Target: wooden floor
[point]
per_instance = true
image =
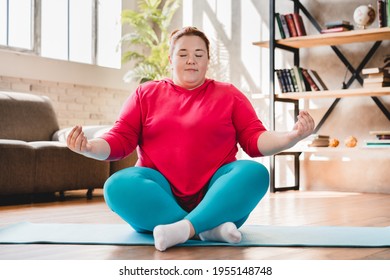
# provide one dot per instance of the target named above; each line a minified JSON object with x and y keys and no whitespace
{"x":283,"y":208}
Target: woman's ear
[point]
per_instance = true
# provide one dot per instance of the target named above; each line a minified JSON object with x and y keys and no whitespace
{"x":170,"y":62}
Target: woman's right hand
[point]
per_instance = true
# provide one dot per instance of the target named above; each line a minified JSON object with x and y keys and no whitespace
{"x":77,"y":142}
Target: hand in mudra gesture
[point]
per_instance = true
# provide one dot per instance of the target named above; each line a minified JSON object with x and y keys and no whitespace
{"x":303,"y":127}
{"x":77,"y":141}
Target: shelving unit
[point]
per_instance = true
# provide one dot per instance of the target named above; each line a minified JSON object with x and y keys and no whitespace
{"x":335,"y":93}
{"x":293,"y":44}
{"x":333,"y":39}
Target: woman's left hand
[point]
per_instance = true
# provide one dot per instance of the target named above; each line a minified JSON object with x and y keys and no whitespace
{"x":273,"y":142}
{"x":303,"y":127}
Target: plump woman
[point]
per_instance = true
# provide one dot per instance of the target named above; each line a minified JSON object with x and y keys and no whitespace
{"x":187,"y":182}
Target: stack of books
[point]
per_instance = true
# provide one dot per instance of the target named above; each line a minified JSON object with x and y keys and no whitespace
{"x":337,"y":26}
{"x":298,"y":79}
{"x":383,"y":8}
{"x":377,"y":76}
{"x":290,"y":25}
{"x":317,"y":140}
{"x":382,"y":139}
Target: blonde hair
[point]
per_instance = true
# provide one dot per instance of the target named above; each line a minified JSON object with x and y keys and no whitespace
{"x":188,"y":31}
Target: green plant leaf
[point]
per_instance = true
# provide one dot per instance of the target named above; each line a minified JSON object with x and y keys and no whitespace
{"x":147,"y":44}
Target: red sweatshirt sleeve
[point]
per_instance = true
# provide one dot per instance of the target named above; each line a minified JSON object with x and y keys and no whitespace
{"x":247,"y":124}
{"x":124,"y":136}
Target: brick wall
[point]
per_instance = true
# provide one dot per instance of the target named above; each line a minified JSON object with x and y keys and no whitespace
{"x":74,"y":104}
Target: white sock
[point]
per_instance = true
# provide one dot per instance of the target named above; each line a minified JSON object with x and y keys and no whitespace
{"x":226,"y":232}
{"x":166,"y":236}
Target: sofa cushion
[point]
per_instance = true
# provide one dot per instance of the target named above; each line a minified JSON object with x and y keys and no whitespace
{"x":90,"y":131}
{"x":17,"y":167}
{"x":26,"y":117}
{"x":60,"y":169}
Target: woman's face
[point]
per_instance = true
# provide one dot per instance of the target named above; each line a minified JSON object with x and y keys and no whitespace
{"x":189,"y":62}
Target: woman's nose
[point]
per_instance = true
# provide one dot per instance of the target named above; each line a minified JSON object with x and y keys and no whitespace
{"x":190,"y":59}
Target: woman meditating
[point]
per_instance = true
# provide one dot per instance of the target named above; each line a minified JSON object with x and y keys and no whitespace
{"x":187,"y":182}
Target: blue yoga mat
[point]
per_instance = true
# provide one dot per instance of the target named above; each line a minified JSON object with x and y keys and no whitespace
{"x":253,"y":235}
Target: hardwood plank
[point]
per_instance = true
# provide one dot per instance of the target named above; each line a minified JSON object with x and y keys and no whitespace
{"x":284,"y":208}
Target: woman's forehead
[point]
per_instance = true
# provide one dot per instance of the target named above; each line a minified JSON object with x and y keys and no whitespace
{"x":190,"y":43}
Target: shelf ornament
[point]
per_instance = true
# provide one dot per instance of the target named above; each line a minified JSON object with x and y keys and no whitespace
{"x":364,"y":16}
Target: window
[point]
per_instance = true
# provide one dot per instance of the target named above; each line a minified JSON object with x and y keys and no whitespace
{"x":86,"y":31}
{"x":16,"y":23}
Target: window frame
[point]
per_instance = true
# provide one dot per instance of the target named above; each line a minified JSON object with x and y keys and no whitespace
{"x":32,"y":32}
{"x":36,"y":20}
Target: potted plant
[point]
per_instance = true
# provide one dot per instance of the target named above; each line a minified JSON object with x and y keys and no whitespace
{"x":148,"y":40}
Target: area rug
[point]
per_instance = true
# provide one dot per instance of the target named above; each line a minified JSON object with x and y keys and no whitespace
{"x":253,"y":235}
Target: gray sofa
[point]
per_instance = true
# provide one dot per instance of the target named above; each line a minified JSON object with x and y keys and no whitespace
{"x":34,"y":158}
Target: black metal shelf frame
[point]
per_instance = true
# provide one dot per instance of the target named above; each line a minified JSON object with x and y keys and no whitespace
{"x":298,"y":7}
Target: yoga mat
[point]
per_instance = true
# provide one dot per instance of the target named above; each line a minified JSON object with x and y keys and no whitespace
{"x":253,"y":235}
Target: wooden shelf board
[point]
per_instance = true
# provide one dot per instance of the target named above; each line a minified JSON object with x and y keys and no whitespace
{"x":336,"y":93}
{"x":340,"y":149}
{"x":333,"y":39}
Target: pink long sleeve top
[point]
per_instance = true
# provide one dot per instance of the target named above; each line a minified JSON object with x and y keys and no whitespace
{"x":185,"y":134}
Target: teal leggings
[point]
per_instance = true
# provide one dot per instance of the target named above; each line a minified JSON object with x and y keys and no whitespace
{"x":142,"y":197}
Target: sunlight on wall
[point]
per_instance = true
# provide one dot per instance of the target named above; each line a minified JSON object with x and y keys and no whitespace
{"x":187,"y":12}
{"x":232,"y":27}
{"x":251,"y":28}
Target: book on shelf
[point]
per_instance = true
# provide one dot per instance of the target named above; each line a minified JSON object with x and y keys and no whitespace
{"x":303,"y":85}
{"x":383,"y":137}
{"x":379,"y":79}
{"x":381,"y":134}
{"x":310,"y":80}
{"x":318,"y":140}
{"x":279,"y":78}
{"x":298,"y":76}
{"x":281,"y":21}
{"x":383,"y":69}
{"x":305,"y":81}
{"x":374,"y":70}
{"x":337,"y":26}
{"x":376,"y":77}
{"x":299,"y":26}
{"x":317,"y":79}
{"x":388,"y":12}
{"x":298,"y":79}
{"x":382,"y":13}
{"x":335,"y":29}
{"x":319,"y":136}
{"x":383,"y":74}
{"x":386,"y":63}
{"x":290,"y":81}
{"x":377,"y":143}
{"x":294,"y":79}
{"x":337,"y":23}
{"x":376,"y":85}
{"x":290,"y":25}
{"x":287,"y":80}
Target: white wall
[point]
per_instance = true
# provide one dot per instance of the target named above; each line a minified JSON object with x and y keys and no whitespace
{"x":30,"y":66}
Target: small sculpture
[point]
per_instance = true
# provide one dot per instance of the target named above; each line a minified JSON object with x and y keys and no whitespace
{"x":364,"y":16}
{"x":350,"y":142}
{"x":334,"y":142}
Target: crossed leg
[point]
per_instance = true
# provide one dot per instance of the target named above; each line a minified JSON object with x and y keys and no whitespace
{"x":143,"y":198}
